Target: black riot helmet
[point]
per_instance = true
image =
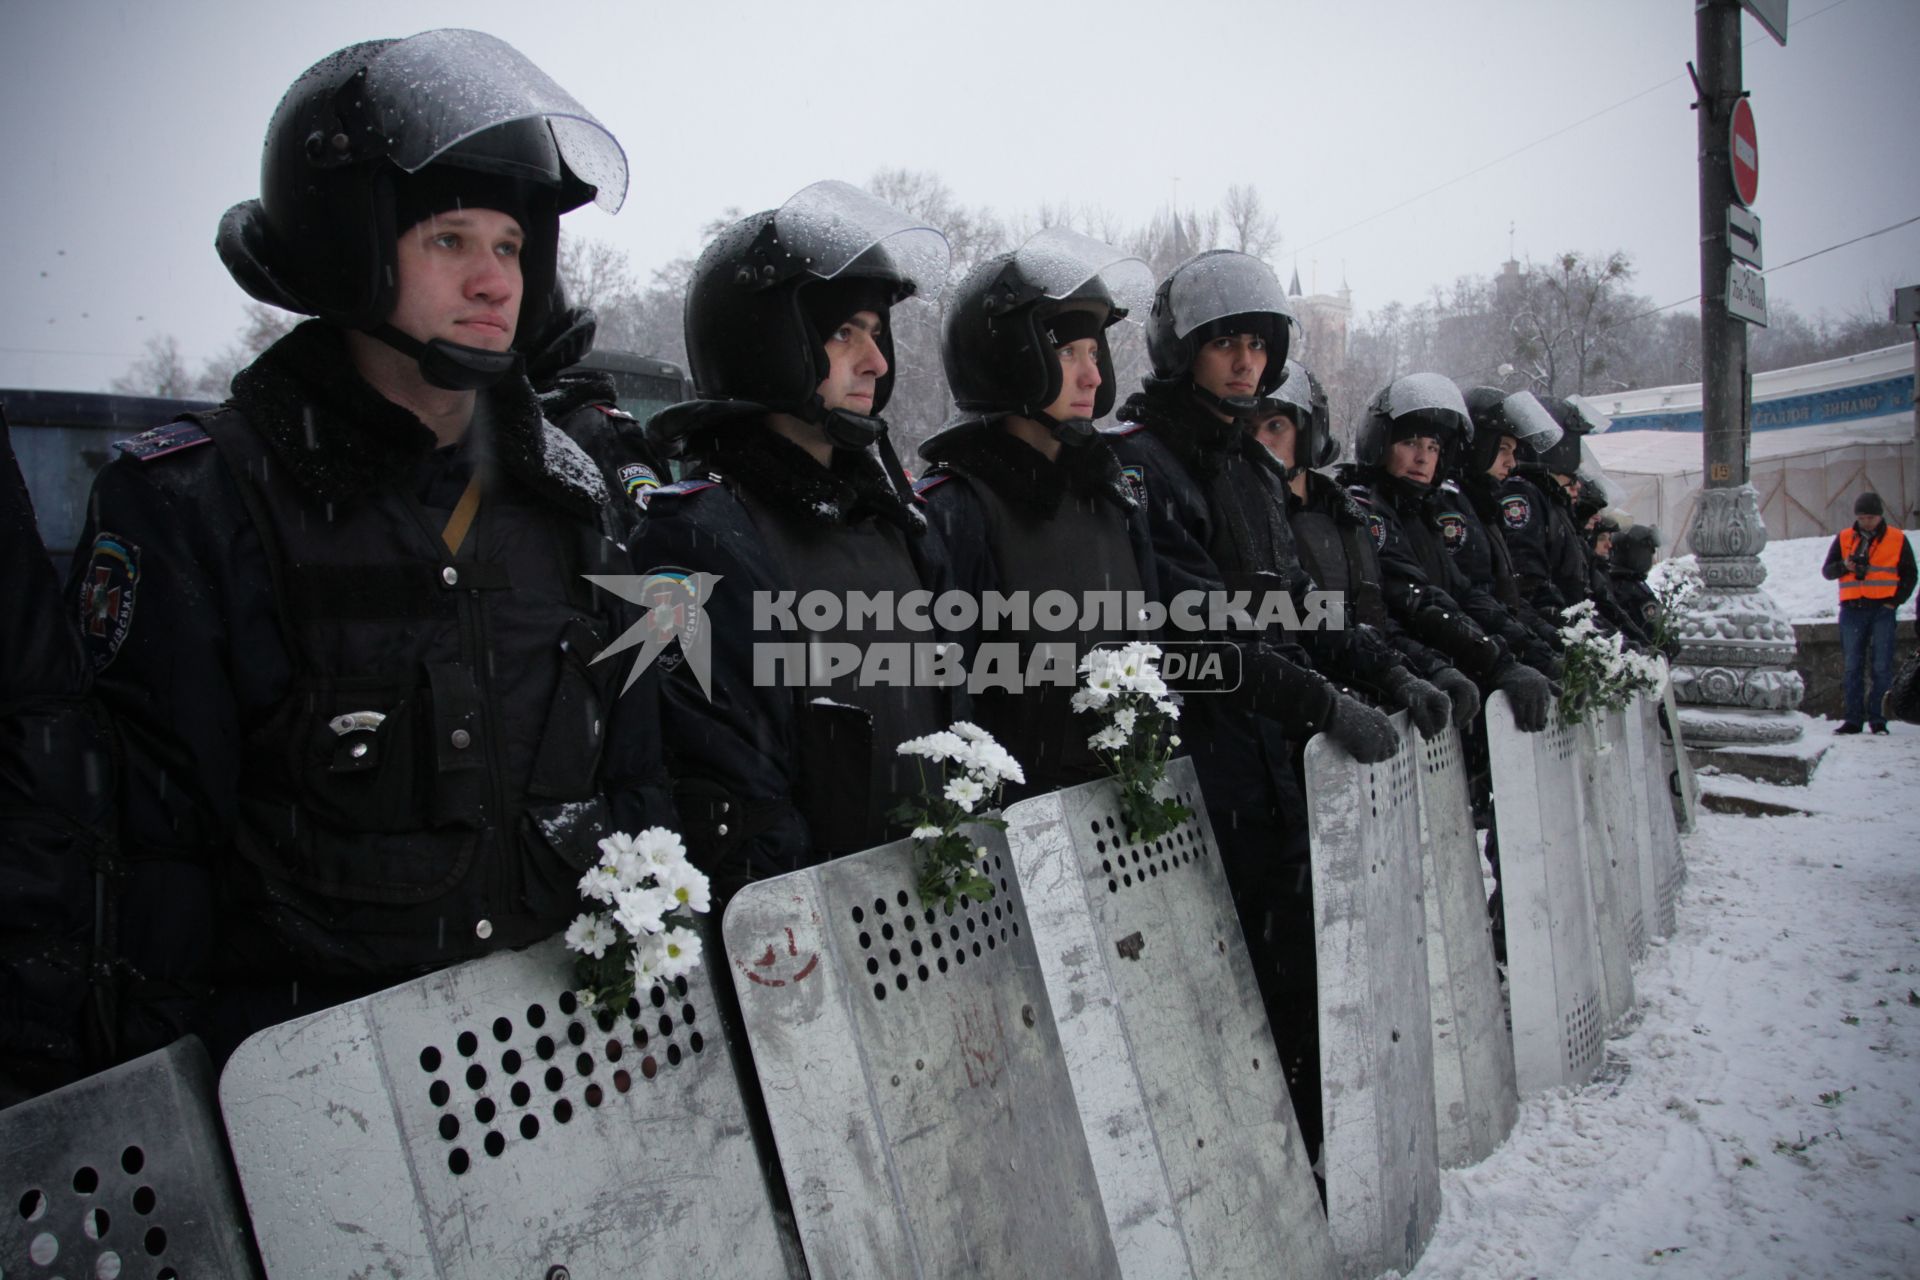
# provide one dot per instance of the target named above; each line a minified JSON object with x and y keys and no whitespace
{"x":381,"y":133}
{"x":1417,"y":404}
{"x":1301,"y":397}
{"x":1576,"y":420}
{"x":769,"y":291}
{"x":1633,"y":550}
{"x":1011,"y":314}
{"x":1217,"y":294}
{"x":1498,"y":413}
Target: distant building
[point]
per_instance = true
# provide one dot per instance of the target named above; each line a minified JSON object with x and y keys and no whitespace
{"x":1324,"y":319}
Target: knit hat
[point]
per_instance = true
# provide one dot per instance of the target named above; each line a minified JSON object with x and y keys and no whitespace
{"x":1868,"y":504}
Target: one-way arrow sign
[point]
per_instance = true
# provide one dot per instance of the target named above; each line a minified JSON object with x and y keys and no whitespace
{"x":1743,"y":234}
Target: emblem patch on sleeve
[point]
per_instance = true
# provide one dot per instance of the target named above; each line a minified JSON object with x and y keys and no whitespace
{"x":1516,"y":511}
{"x":1453,"y":530}
{"x":1377,"y":527}
{"x":106,"y":597}
{"x":1136,"y":478}
{"x":637,"y":479}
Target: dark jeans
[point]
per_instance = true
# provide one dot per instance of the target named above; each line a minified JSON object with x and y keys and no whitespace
{"x":1866,"y":628}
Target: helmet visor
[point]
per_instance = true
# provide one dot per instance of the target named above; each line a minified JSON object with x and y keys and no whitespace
{"x":1603,"y":486}
{"x":1529,"y":422}
{"x":1425,"y":392}
{"x":1595,"y":421}
{"x":833,"y":225}
{"x":439,"y":88}
{"x":1058,"y":262}
{"x":1219,"y":285}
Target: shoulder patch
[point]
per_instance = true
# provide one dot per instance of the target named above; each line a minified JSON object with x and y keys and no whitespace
{"x":1136,"y":481}
{"x":162,"y":440}
{"x":1453,"y":530}
{"x":636,"y":478}
{"x":1515,"y":511}
{"x":678,"y":489}
{"x":106,"y":596}
{"x":1377,"y":529}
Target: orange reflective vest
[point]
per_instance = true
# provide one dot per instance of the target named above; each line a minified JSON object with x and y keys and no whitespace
{"x":1883,"y":566}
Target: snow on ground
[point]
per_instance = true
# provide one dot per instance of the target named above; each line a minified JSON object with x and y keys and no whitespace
{"x":1794,"y":581}
{"x":1768,"y":1121}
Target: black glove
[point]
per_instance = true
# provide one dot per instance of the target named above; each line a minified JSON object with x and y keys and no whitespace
{"x":1426,"y":705}
{"x":1296,"y":698}
{"x":1530,"y":693}
{"x":1366,"y":734}
{"x":1464,"y":693}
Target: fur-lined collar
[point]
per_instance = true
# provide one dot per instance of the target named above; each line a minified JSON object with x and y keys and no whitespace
{"x":343,"y":441}
{"x":1196,"y":437}
{"x":786,"y":478}
{"x":1023,"y":477}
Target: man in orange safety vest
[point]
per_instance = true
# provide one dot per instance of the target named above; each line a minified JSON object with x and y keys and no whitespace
{"x":1873,"y":562}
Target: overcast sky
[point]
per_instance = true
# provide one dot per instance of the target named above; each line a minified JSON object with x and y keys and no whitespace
{"x":130,"y":127}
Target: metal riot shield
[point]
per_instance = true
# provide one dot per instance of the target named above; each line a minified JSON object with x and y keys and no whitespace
{"x":913,"y":1075}
{"x":1613,"y":865}
{"x":1201,"y":1167}
{"x":1660,"y":852}
{"x":1682,"y":785}
{"x":1475,"y":1101}
{"x":481,"y":1123}
{"x":1376,"y":1045}
{"x":1554,"y":985}
{"x":124,"y":1173}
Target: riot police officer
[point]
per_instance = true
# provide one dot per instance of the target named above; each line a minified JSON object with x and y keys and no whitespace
{"x":778,"y":766}
{"x":1027,"y":496}
{"x":342,"y":621}
{"x":1411,"y":426}
{"x":1217,"y":337}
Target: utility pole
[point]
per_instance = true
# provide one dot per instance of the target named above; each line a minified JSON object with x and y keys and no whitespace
{"x":1735,"y":670}
{"x":1724,"y":387}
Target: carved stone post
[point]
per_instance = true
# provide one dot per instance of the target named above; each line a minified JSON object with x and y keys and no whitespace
{"x":1736,"y":647}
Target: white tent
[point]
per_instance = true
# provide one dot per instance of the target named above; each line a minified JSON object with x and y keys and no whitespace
{"x":1858,"y":433}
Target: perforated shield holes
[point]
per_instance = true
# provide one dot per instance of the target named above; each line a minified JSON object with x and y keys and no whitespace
{"x":1125,"y":864}
{"x":489,"y":1111}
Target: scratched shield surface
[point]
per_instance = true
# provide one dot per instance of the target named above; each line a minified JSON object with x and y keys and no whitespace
{"x":1653,"y":816}
{"x":1554,"y":985}
{"x":1683,"y":785}
{"x":1475,"y":1100}
{"x":480,"y":1123}
{"x":912,"y":1073}
{"x":1376,"y":1046}
{"x":1201,"y":1168}
{"x":123,"y":1173}
{"x":1613,"y":863}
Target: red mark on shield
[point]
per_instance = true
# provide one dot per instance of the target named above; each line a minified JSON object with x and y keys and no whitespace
{"x":980,"y":1045}
{"x":769,"y":971}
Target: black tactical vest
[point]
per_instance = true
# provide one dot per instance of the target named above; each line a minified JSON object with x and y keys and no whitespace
{"x":426,"y":791}
{"x":1081,"y":548}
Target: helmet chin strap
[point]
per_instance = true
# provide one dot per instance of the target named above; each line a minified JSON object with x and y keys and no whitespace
{"x":1070,"y":432}
{"x":1242,"y":409}
{"x":451,"y":366}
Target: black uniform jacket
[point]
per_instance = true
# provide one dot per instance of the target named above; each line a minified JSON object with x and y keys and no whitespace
{"x":352,"y":754}
{"x":1014,"y":521}
{"x":772,"y":776}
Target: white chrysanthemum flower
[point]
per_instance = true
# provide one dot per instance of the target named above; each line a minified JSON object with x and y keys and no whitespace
{"x":964,"y":792}
{"x":602,"y":884}
{"x":686,"y":886}
{"x":1090,"y":699}
{"x":649,"y":956}
{"x":639,"y":911}
{"x":944,"y":745}
{"x":629,"y":868}
{"x":1174,"y":741}
{"x":660,"y":847}
{"x":1108,"y":739}
{"x":681,"y":949}
{"x":613,"y":846}
{"x":1123,"y":719}
{"x":1167,"y":707}
{"x":991,"y":764}
{"x":591,"y":935}
{"x":928,"y":833}
{"x":970,"y":732}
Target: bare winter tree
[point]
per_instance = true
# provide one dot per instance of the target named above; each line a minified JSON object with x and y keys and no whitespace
{"x":1250,"y":226}
{"x":160,"y":371}
{"x":1564,"y":327}
{"x":263,"y":327}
